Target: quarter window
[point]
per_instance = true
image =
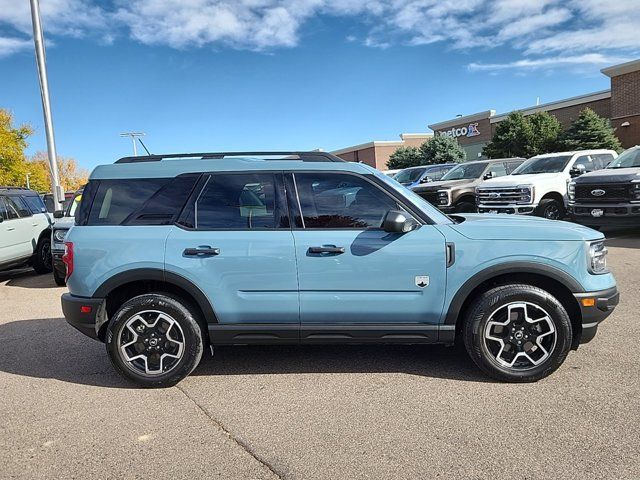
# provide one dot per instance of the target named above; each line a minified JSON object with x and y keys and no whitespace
{"x":330,"y":200}
{"x":235,"y":201}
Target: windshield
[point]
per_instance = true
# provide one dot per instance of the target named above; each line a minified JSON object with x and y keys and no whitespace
{"x":465,"y":171}
{"x":409,"y":175}
{"x":71,"y":208}
{"x":543,"y":165}
{"x":628,"y":159}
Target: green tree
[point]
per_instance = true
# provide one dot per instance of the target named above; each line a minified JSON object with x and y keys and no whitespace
{"x":442,"y":149}
{"x":13,"y":142}
{"x":546,"y":130}
{"x":590,"y":131}
{"x":512,"y":138}
{"x":404,"y":157}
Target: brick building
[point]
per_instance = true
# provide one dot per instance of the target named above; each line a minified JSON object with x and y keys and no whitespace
{"x":620,"y":104}
{"x":377,"y":153}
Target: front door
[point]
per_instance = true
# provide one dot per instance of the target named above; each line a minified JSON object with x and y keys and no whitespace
{"x":350,"y":271}
{"x":236,"y":245}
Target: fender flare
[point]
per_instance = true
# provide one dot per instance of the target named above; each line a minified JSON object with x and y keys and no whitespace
{"x":455,"y":306}
{"x":139,"y":274}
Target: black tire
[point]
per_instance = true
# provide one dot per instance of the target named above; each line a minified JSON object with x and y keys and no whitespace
{"x":42,"y":259}
{"x":551,"y":209}
{"x":59,"y":279}
{"x":489,"y":306}
{"x":189,"y":333}
{"x":466,"y":207}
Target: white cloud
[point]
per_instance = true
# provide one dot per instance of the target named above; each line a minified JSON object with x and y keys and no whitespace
{"x":542,"y":33}
{"x":9,"y":46}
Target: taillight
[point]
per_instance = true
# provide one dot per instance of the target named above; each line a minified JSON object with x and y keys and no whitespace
{"x":67,"y":258}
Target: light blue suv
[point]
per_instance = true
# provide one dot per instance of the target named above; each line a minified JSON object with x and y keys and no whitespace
{"x":173,"y":253}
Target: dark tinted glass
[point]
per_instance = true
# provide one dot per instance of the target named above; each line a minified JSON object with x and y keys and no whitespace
{"x":21,"y":206}
{"x":164,"y":207}
{"x":333,"y":200}
{"x":116,"y":200}
{"x":497,"y":169}
{"x":11,"y":209}
{"x":236,"y":201}
{"x":35,"y":204}
{"x":3,"y":209}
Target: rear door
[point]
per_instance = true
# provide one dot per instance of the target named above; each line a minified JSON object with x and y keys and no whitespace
{"x":235,"y":243}
{"x":350,"y":271}
{"x":16,"y":238}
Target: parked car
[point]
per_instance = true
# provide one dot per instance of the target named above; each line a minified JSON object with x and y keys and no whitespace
{"x":392,"y":173}
{"x":25,"y":230}
{"x":413,"y":176}
{"x":539,"y":185}
{"x":609,"y":197}
{"x":456,"y":191}
{"x":174,"y":253}
{"x":64,"y":220}
{"x":48,"y":201}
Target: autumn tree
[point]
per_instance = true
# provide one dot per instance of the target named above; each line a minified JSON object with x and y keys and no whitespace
{"x":13,"y":142}
{"x":70,"y":174}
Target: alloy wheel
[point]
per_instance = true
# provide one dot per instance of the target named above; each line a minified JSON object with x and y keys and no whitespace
{"x":552,"y":212}
{"x":151,"y":343}
{"x":519,"y":336}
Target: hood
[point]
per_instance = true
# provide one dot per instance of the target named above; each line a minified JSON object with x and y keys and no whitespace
{"x":432,"y":186}
{"x":516,"y":227}
{"x":515,"y":180}
{"x":610,"y":175}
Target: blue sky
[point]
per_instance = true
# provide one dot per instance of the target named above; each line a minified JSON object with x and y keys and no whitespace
{"x":202,"y":75}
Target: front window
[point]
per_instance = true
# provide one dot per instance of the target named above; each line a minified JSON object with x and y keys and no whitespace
{"x":628,"y":159}
{"x":465,"y":171}
{"x":553,"y":164}
{"x":332,"y":200}
{"x":35,"y":204}
{"x":409,"y":175}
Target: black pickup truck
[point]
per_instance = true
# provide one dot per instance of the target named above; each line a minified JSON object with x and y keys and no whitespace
{"x":609,"y":197}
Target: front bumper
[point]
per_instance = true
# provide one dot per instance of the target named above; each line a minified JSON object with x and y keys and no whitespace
{"x":511,"y":208}
{"x":83,"y":313}
{"x":604,"y":302}
{"x":623,"y":214}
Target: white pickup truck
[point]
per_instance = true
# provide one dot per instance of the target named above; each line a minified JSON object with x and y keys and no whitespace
{"x":539,"y":185}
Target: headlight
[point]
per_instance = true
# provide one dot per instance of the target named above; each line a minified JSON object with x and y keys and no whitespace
{"x":444,"y":197}
{"x":635,"y":192}
{"x":58,"y":235}
{"x":526,"y":193}
{"x":571,"y":191}
{"x":597,"y":258}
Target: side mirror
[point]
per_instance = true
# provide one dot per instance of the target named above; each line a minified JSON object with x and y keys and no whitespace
{"x":577,"y":170}
{"x":487,"y":176}
{"x":398,"y":222}
{"x":426,"y":179}
{"x":58,"y":214}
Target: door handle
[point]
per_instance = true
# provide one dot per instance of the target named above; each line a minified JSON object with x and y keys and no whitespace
{"x":202,"y":251}
{"x":10,"y":229}
{"x":327,"y":249}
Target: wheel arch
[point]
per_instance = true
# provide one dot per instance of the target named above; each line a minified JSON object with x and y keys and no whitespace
{"x":551,"y":279}
{"x":554,"y":196}
{"x":131,"y":283}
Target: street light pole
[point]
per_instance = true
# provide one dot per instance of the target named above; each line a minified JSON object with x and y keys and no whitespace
{"x":133,"y":136}
{"x":28,"y":186}
{"x":41,"y":61}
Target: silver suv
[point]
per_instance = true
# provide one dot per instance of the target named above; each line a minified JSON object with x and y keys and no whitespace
{"x":25,"y":230}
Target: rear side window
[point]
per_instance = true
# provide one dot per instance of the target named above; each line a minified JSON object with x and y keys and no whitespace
{"x":4,"y":214}
{"x":237,"y":202}
{"x":35,"y":204}
{"x":116,"y":200}
{"x":20,"y":206}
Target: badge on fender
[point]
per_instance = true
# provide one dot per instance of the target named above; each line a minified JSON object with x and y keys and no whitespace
{"x":422,"y":281}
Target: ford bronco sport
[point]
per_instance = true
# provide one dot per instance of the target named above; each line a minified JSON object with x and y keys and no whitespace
{"x":174,"y":253}
{"x":25,"y":230}
{"x":539,"y":185}
{"x":609,"y":197}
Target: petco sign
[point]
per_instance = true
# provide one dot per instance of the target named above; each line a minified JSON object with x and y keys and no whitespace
{"x":470,"y":131}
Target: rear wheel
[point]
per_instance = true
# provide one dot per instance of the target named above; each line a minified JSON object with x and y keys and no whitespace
{"x":517,"y":333}
{"x":59,"y":279}
{"x":154,"y":340}
{"x":550,"y":209}
{"x":42,"y":260}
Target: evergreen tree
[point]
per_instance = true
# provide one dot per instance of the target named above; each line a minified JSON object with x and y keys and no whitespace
{"x":442,"y":149}
{"x":546,"y":130}
{"x":590,"y":131}
{"x":513,"y":138}
{"x":404,"y":157}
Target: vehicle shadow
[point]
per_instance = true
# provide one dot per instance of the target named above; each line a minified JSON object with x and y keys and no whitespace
{"x":50,"y":348}
{"x":628,"y":238}
{"x":27,"y":278}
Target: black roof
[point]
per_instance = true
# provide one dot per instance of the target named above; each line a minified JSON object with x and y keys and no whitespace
{"x":311,"y":156}
{"x":17,"y":191}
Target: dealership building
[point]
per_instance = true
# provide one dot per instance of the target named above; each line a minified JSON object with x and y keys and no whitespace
{"x":620,"y":104}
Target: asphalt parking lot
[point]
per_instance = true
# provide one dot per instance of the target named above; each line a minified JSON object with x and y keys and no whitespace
{"x":314,"y":412}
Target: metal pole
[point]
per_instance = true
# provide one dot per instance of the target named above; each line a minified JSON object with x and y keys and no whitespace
{"x":135,"y":148}
{"x":38,"y":40}
{"x":28,"y":186}
{"x":133,"y":136}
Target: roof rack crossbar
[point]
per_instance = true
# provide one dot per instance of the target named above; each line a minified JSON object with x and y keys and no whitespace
{"x":308,"y":156}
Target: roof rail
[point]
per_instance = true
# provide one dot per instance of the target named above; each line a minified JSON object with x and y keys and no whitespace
{"x":312,"y":156}
{"x":4,"y":187}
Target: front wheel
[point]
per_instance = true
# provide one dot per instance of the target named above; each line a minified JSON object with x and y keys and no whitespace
{"x":550,"y":209}
{"x":466,"y":207}
{"x":154,"y":340}
{"x":42,"y":259}
{"x":517,"y":333}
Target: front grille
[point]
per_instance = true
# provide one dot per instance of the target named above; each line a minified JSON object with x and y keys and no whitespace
{"x":501,"y":196}
{"x":619,"y":192}
{"x":431,"y":197}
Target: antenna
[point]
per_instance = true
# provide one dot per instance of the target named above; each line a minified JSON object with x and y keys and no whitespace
{"x":144,"y":146}
{"x":133,"y":136}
